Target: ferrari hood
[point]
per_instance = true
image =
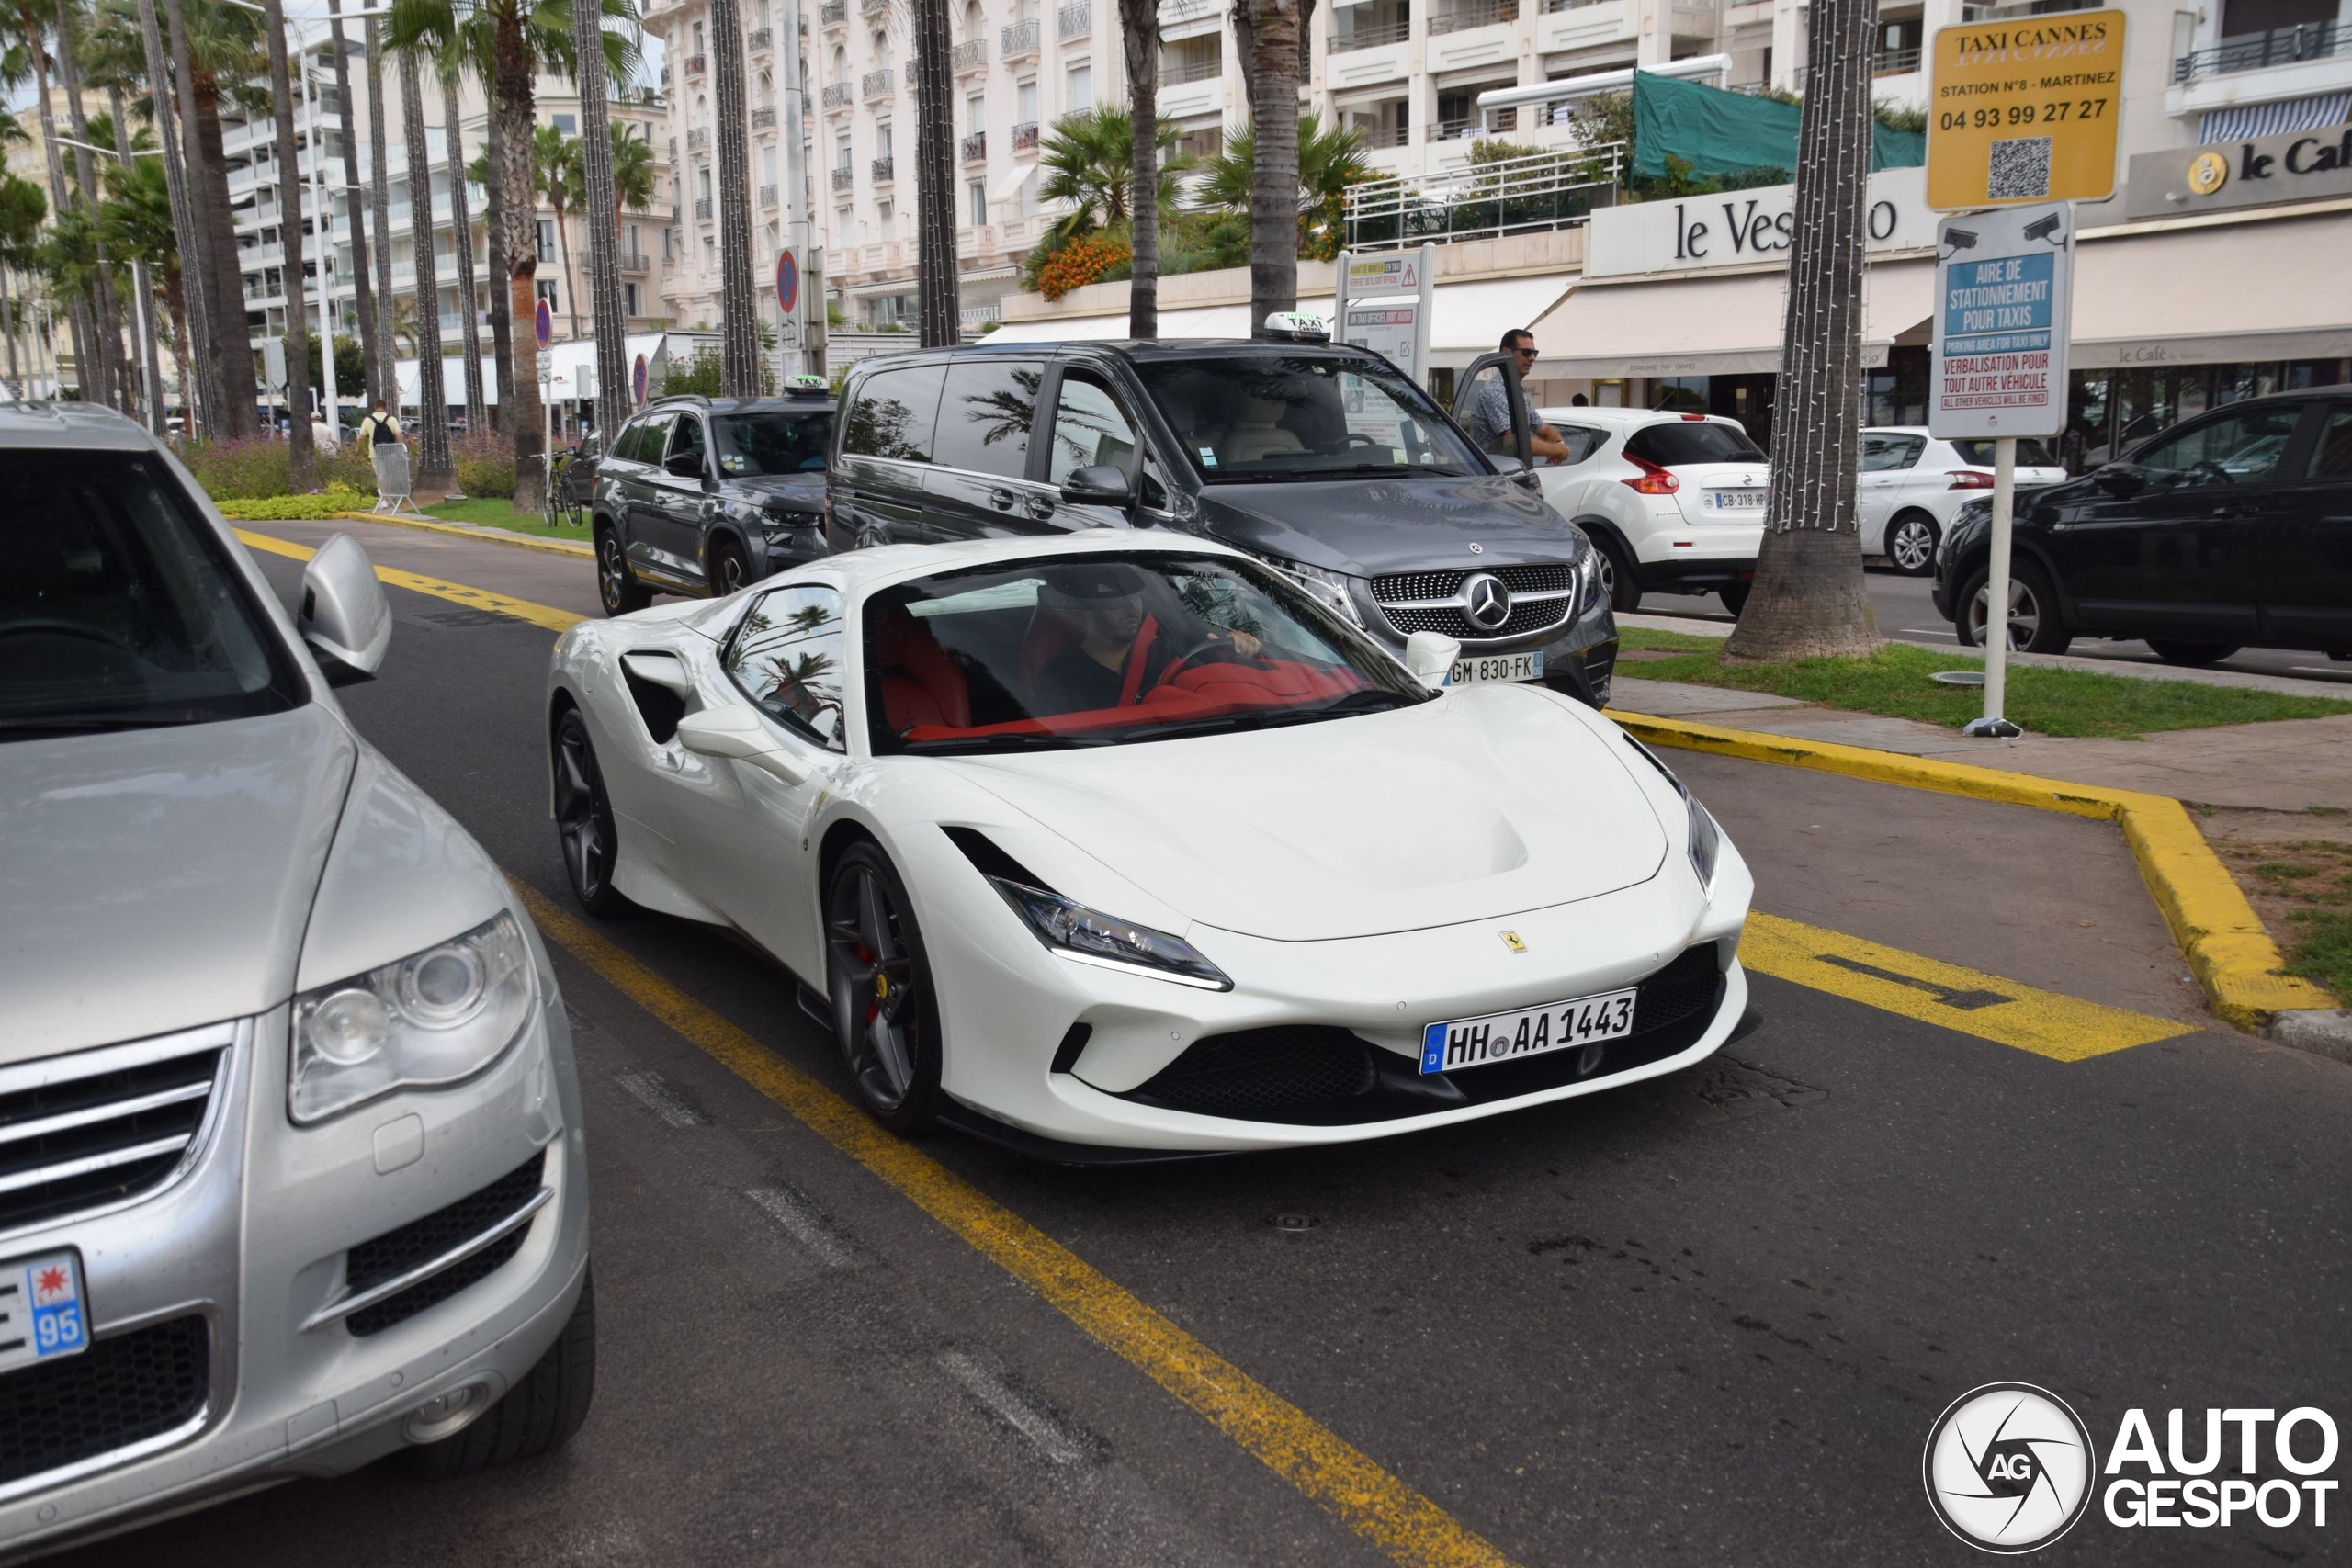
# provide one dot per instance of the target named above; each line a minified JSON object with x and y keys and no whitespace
{"x":1485,"y":803}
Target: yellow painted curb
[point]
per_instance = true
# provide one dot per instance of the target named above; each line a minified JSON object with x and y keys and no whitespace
{"x":512,"y":541}
{"x":2229,"y":951}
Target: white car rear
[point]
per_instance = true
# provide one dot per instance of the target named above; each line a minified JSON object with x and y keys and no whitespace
{"x":1911,"y":484}
{"x":1674,"y":502}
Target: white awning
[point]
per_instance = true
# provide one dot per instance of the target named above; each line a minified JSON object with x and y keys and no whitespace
{"x":2221,"y":295}
{"x":1009,"y":183}
{"x":1711,"y":326}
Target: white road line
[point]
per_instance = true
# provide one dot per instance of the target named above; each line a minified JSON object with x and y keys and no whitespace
{"x":1041,"y":1430}
{"x":1929,"y":631}
{"x":804,"y":1223}
{"x":662,"y":1100}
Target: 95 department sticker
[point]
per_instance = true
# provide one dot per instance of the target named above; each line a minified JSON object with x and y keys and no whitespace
{"x":42,"y":1316}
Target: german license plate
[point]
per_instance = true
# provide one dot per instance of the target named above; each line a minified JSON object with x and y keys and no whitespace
{"x":1497,"y":667}
{"x":1737,"y":500}
{"x":1507,"y":1037}
{"x":41,"y":1317}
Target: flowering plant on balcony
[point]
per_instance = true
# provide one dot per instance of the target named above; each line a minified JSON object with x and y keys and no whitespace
{"x":1088,"y":258}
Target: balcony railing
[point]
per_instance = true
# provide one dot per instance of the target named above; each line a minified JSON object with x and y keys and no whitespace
{"x":833,"y":13}
{"x":696,"y":64}
{"x":1025,"y":136}
{"x":635,"y":260}
{"x":1550,"y":190}
{"x":763,"y":118}
{"x":1385,"y":135}
{"x":697,"y":139}
{"x":1464,"y":15}
{"x":767,"y":196}
{"x":702,"y":209}
{"x":836,"y":96}
{"x":975,"y":147}
{"x":885,"y":170}
{"x":1019,"y":38}
{"x":972,"y":54}
{"x":875,"y":84}
{"x":2280,"y":46}
{"x":1896,"y":62}
{"x":842,"y":179}
{"x":1373,"y":35}
{"x":1076,"y":21}
{"x":1176,"y":73}
{"x":760,"y":39}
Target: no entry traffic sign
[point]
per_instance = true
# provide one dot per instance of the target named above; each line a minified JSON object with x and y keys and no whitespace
{"x":788,"y":281}
{"x":543,"y":323}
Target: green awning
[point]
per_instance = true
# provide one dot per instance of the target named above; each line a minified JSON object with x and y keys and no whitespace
{"x":1718,"y":132}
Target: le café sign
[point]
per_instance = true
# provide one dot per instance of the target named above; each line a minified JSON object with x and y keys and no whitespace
{"x":1743,"y":228}
{"x":2297,"y":166}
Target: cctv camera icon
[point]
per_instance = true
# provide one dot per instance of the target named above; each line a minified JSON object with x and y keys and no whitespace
{"x":1959,"y":240}
{"x":2048,"y":229}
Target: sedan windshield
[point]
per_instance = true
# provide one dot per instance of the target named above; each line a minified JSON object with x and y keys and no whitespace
{"x":1253,"y":417}
{"x":1104,"y":649}
{"x":118,"y":610}
{"x":755,"y":444}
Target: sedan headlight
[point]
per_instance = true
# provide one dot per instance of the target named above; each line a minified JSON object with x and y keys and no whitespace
{"x":1588,"y":581}
{"x":1089,"y":936}
{"x":1331,"y":588}
{"x":1706,"y":838}
{"x":434,"y":1017}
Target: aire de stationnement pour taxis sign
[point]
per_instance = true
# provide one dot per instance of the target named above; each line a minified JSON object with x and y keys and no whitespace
{"x":2025,"y":110}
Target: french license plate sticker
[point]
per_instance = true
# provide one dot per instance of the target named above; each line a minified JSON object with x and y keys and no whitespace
{"x":41,"y":1313}
{"x":1507,"y":1037}
{"x":1471,"y":671}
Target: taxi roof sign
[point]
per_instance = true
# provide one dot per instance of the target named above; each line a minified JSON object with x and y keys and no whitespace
{"x":2025,"y":110}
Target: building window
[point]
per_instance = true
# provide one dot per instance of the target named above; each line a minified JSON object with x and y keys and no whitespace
{"x":629,"y":300}
{"x":546,"y":292}
{"x":976,"y":114}
{"x":1026,"y":92}
{"x":882,"y":148}
{"x":1082,"y":89}
{"x":977,"y":193}
{"x":566,"y":125}
{"x":546,"y":239}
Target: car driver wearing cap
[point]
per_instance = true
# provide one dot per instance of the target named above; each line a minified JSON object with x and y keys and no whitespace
{"x":1106,"y":604}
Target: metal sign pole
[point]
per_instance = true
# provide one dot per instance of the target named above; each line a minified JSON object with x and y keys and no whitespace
{"x":1996,"y":587}
{"x":1426,"y":309}
{"x":1339,"y":300}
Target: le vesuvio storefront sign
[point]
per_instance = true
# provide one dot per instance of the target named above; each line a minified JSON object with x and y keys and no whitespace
{"x":1743,"y":228}
{"x":2296,"y":165}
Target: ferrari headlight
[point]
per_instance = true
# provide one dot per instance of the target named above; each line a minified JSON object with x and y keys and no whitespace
{"x":1089,"y":936}
{"x":1330,"y":588}
{"x":1706,"y":838}
{"x":433,"y":1017}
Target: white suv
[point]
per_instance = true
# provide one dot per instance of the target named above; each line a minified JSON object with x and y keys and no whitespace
{"x":1674,"y":502}
{"x":1911,"y":485}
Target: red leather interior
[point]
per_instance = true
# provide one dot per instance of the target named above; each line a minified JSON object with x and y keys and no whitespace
{"x":923,"y":686}
{"x":1204,"y":691}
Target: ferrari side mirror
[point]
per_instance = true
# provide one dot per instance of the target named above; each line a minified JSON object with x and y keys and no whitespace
{"x":740,"y":734}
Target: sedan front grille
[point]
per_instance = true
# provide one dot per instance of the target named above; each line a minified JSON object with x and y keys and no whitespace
{"x":126,"y":1389}
{"x":1542,"y":596}
{"x":1527,"y":617}
{"x":93,"y":1128}
{"x":1445,"y":584}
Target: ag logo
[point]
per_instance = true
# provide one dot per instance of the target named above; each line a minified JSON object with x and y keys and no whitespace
{"x":2008,"y":1468}
{"x":2208,"y":173}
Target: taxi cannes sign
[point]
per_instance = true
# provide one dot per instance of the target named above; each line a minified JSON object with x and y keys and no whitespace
{"x":2025,"y":110}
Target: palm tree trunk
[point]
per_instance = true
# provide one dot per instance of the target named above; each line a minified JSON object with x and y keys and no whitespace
{"x":604,"y":223}
{"x":380,"y":198}
{"x":519,"y":375}
{"x":501,"y":316}
{"x":371,"y":377}
{"x":941,"y":301}
{"x":302,"y":457}
{"x":1139,"y":32}
{"x":739,"y":327}
{"x":104,"y":310}
{"x":1274,"y":187}
{"x":433,"y":470}
{"x":195,"y":387}
{"x":461,"y":223}
{"x":231,"y":339}
{"x":563,"y":251}
{"x":34,"y":27}
{"x":175,"y":304}
{"x":1808,"y":600}
{"x":152,"y":386}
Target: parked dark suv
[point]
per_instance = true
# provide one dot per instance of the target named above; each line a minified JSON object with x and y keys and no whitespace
{"x":702,"y":495}
{"x":2229,"y":530}
{"x":1323,"y":460}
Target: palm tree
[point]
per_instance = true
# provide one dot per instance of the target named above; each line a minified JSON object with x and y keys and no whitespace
{"x":372,"y":381}
{"x":1139,"y":34}
{"x":601,"y":187}
{"x":934,"y":177}
{"x":102,"y":309}
{"x":29,"y":21}
{"x":380,"y":200}
{"x":200,"y":374}
{"x":633,"y":179}
{"x":1808,"y":600}
{"x":1089,"y":163}
{"x":434,"y":472}
{"x":1329,"y":162}
{"x":738,"y":329}
{"x":562,"y":170}
{"x":137,"y":223}
{"x":301,"y":460}
{"x":1272,"y":50}
{"x":23,"y":208}
{"x":216,"y":52}
{"x":461,"y":228}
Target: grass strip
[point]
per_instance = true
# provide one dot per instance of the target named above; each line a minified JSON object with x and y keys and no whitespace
{"x":497,"y":511}
{"x":1898,"y":682}
{"x":2303,"y":890}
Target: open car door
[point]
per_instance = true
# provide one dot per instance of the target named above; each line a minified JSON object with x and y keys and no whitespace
{"x":1491,"y":405}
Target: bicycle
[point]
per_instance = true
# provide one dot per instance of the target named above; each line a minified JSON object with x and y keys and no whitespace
{"x":562,"y":512}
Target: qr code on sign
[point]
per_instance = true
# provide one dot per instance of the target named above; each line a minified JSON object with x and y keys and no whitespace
{"x":2020,"y":169}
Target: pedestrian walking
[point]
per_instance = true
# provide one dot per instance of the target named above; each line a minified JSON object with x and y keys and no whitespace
{"x":381,"y":432}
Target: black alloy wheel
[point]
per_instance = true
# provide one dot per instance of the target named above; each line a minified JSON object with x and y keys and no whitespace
{"x":617,"y":587}
{"x":1617,"y":582}
{"x":728,"y":570}
{"x":2193,"y":655}
{"x":583,"y":818}
{"x":2035,"y":626}
{"x":885,"y":1020}
{"x":1911,"y":544}
{"x":1734,"y":597}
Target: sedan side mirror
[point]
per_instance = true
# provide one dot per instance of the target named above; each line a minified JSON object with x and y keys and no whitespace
{"x":1098,"y":485}
{"x":344,"y":614}
{"x":2122,"y":478}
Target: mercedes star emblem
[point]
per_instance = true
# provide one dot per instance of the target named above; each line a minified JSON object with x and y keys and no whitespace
{"x":1485,"y":600}
{"x":1478,"y":549}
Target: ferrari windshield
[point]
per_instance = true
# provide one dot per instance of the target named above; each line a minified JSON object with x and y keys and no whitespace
{"x":1098,"y":650}
{"x":1256,"y":418}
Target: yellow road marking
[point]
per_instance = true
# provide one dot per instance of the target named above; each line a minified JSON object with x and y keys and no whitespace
{"x":545,"y":615}
{"x":1348,"y":1483}
{"x":2065,"y":1028}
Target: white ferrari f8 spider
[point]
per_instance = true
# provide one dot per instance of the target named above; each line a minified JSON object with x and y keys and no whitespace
{"x":1120,"y":846}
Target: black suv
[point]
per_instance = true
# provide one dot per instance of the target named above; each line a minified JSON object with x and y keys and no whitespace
{"x":2229,"y":530}
{"x":1325,"y":461}
{"x":702,"y":495}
